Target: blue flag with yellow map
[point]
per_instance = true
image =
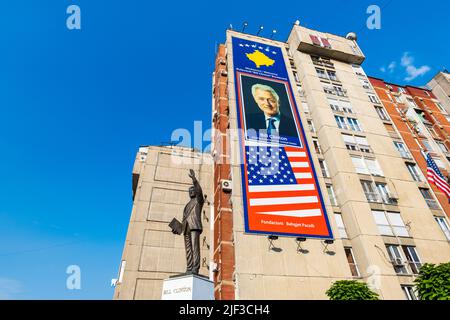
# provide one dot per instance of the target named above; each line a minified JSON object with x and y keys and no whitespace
{"x":259,"y":59}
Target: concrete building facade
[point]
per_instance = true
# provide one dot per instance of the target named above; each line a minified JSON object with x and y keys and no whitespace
{"x":152,"y":252}
{"x":384,"y":228}
{"x":440,"y":86}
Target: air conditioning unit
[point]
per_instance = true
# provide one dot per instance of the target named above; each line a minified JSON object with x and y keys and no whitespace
{"x":392,"y":196}
{"x":397,"y":262}
{"x":226,"y":185}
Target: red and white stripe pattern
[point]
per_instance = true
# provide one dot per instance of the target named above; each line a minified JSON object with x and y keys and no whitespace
{"x":280,"y":182}
{"x":435,"y":176}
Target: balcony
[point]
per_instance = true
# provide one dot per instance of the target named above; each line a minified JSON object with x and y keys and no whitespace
{"x":432,"y":204}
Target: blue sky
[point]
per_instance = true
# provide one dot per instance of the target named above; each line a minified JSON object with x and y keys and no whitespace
{"x":76,"y":105}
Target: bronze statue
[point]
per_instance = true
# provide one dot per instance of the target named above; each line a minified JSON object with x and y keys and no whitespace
{"x":191,"y":226}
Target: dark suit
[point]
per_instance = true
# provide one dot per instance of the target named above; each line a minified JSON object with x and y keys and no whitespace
{"x":192,"y":228}
{"x":258,"y":122}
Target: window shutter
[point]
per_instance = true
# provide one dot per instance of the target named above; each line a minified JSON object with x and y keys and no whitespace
{"x":361,"y":141}
{"x":326,"y":43}
{"x":349,"y":139}
{"x":315,"y":40}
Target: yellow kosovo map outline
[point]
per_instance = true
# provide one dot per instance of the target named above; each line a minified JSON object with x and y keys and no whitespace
{"x":260,"y":59}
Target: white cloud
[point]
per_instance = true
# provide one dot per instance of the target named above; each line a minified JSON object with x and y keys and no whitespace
{"x":383,"y":69}
{"x":412,"y":71}
{"x":391,"y":66}
{"x":9,"y":288}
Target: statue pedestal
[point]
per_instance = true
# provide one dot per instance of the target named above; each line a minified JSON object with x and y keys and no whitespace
{"x":188,"y":287}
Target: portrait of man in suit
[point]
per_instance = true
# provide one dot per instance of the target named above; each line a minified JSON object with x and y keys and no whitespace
{"x":269,"y":115}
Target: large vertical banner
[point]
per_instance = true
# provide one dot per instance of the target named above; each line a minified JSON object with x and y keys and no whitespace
{"x":280,"y":189}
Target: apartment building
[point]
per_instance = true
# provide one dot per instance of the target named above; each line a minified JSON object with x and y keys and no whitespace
{"x":349,"y":198}
{"x":383,"y":226}
{"x":421,"y":124}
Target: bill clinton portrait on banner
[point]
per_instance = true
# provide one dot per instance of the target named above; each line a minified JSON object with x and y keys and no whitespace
{"x":267,"y":110}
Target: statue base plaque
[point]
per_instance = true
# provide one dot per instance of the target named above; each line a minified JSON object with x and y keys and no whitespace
{"x":188,"y":287}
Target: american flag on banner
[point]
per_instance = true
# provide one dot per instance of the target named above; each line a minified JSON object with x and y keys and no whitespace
{"x":435,"y":176}
{"x":280,"y":182}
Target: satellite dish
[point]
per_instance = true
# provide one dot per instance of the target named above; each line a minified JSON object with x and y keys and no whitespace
{"x":351,"y":36}
{"x":297,"y":22}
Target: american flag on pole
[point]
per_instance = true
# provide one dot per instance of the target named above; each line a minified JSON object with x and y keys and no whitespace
{"x":280,"y":182}
{"x":435,"y":176}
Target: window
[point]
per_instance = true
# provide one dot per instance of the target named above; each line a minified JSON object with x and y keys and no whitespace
{"x":354,"y":124}
{"x":334,"y":104}
{"x":444,"y":226}
{"x":442,"y":147}
{"x":398,"y":99}
{"x":332,"y":75}
{"x":432,"y":131}
{"x":439,"y":163}
{"x":341,"y":122}
{"x":429,"y":198}
{"x":427,"y":145}
{"x":397,"y":224}
{"x":331,"y":195}
{"x":383,"y":191}
{"x":321,"y":73}
{"x":363,"y":145}
{"x":326,"y":43}
{"x":341,"y":226}
{"x":358,"y":70}
{"x":305,"y":107}
{"x":351,"y":261}
{"x":340,"y":91}
{"x":412,"y":168}
{"x":411,"y":103}
{"x":360,"y":166}
{"x":370,"y":191}
{"x":397,"y":259}
{"x":315,"y":40}
{"x":328,"y":89}
{"x":409,"y":293}
{"x":412,"y":258}
{"x":350,"y":142}
{"x":296,"y":77}
{"x":373,"y":98}
{"x":346,"y":106}
{"x":317,"y":146}
{"x":440,"y":107}
{"x":365,"y":83}
{"x":382,"y":113}
{"x":402,"y":149}
{"x":374,"y":167}
{"x":324,"y":168}
{"x":311,"y":126}
{"x":366,"y":166}
{"x":390,"y":223}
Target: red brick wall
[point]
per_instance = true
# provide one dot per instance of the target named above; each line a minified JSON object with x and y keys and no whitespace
{"x":223,"y":246}
{"x":408,"y":134}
